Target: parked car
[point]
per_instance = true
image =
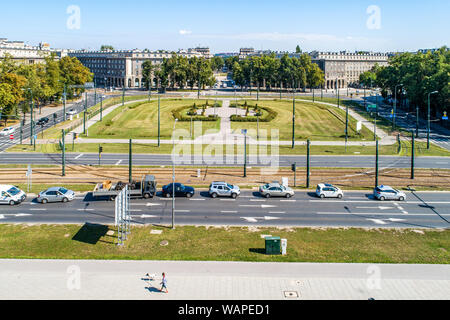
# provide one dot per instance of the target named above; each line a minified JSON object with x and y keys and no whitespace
{"x":55,"y":194}
{"x":387,"y":193}
{"x":223,"y":189}
{"x":180,"y":190}
{"x":71,"y":112}
{"x":42,"y":121}
{"x":275,"y":190}
{"x":325,"y":190}
{"x":7,"y":131}
{"x":11,"y":195}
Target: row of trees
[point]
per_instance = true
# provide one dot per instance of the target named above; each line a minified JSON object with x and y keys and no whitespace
{"x":181,"y":72}
{"x":42,"y":82}
{"x":269,"y":72}
{"x":415,"y":75}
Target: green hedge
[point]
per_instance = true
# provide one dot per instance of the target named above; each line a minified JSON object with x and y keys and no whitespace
{"x":179,"y":114}
{"x":269,"y":117}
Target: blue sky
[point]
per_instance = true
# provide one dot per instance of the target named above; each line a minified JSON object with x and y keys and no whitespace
{"x":225,"y":26}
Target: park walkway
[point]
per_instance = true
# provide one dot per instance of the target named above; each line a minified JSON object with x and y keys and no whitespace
{"x":125,"y":280}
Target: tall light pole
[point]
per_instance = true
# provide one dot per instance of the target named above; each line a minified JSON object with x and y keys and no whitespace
{"x":159,"y":120}
{"x":293,"y":120}
{"x":65,"y":99}
{"x":173,"y":174}
{"x":395,"y":105}
{"x":428,"y":122}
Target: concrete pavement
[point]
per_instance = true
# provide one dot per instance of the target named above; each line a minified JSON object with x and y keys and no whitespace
{"x":126,"y":280}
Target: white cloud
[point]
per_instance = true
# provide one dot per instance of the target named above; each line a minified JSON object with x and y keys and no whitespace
{"x":184,"y":32}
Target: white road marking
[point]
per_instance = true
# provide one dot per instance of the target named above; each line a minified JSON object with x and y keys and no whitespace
{"x":377,"y":221}
{"x":263,"y":206}
{"x":182,"y":210}
{"x":196,"y":199}
{"x":380,"y":207}
{"x":37,"y":209}
{"x":118,"y":162}
{"x":288,"y":200}
{"x":228,"y":211}
{"x":277,"y":212}
{"x":79,"y":156}
{"x":85,"y":209}
{"x":145,"y":216}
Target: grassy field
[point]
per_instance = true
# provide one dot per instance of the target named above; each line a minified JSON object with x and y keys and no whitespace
{"x":313,"y":121}
{"x":225,"y":244}
{"x":139,"y":148}
{"x":142,"y":122}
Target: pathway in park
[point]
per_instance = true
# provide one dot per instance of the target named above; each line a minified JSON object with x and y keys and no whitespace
{"x":126,"y":280}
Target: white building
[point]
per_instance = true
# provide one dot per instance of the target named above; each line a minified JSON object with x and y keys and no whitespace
{"x":26,"y":54}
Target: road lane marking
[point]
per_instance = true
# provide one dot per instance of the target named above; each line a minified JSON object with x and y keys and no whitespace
{"x":288,"y":200}
{"x":196,"y":199}
{"x":79,"y":156}
{"x":85,"y":209}
{"x":37,"y":209}
{"x":263,"y":206}
{"x":182,"y":210}
{"x":118,"y":162}
{"x":277,"y":212}
{"x":228,"y":211}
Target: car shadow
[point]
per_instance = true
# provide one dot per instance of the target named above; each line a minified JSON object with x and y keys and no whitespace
{"x":204,"y":194}
{"x":312,"y":195}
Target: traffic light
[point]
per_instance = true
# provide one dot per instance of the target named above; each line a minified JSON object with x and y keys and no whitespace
{"x":100,"y":149}
{"x":294,"y":167}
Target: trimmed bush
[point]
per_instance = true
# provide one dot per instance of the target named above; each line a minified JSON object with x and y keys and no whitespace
{"x":269,"y":117}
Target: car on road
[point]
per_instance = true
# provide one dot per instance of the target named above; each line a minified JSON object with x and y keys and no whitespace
{"x":7,"y":131}
{"x":180,"y":190}
{"x":11,"y":195}
{"x":223,"y":189}
{"x":42,"y":121}
{"x":55,"y":194}
{"x":71,"y":112}
{"x":326,"y":190}
{"x":275,"y":190}
{"x":388,"y":193}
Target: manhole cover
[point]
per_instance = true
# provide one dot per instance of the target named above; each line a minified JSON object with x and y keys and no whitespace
{"x":291,"y":294}
{"x":164,"y":243}
{"x":110,"y":233}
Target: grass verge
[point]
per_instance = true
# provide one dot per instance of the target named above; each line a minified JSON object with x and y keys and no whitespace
{"x":225,"y":244}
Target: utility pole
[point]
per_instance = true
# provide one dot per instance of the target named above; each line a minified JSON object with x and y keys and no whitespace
{"x":65,"y":98}
{"x":308,"y":162}
{"x":130,"y":162}
{"x":101,"y":108}
{"x":376,"y":165}
{"x":31,"y":114}
{"x":63,"y":150}
{"x":417,"y":121}
{"x":346,"y":126}
{"x":412,"y":155}
{"x":84,"y":113}
{"x":244,"y":131}
{"x":159,"y":121}
{"x":428,"y":123}
{"x":123,"y":95}
{"x":173,"y":176}
{"x":293,"y":120}
{"x":395,"y":105}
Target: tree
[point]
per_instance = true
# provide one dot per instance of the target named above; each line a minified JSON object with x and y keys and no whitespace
{"x":106,"y":48}
{"x":217,"y":63}
{"x":297,"y":49}
{"x":72,"y":72}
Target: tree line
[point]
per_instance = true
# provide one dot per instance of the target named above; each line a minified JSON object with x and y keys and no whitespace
{"x":267,"y":71}
{"x":414,"y":76}
{"x":41,"y":83}
{"x":181,"y":72}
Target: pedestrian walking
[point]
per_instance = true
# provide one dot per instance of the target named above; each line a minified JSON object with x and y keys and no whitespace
{"x":164,"y":283}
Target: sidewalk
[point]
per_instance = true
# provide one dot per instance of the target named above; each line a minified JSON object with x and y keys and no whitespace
{"x":124,"y":280}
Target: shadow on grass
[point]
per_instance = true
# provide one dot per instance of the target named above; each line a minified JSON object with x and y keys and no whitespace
{"x":91,"y":233}
{"x":258,"y":250}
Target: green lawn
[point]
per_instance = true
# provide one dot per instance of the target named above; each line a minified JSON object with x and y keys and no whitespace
{"x":225,"y":244}
{"x":313,"y":121}
{"x":141,"y":122}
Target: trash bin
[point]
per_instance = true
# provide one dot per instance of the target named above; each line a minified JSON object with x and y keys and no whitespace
{"x":273,"y":245}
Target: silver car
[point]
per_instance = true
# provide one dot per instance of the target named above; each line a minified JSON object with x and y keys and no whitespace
{"x":325,"y":190}
{"x":275,"y":190}
{"x":387,"y":193}
{"x":55,"y":194}
{"x":223,"y":189}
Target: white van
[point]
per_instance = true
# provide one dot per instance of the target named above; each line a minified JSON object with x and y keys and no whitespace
{"x":11,"y":195}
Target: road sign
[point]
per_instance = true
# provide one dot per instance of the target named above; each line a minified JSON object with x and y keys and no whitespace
{"x":445,"y":117}
{"x":371,"y":106}
{"x":244,"y":131}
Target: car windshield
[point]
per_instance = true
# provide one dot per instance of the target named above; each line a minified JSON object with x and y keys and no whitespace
{"x":13,"y":191}
{"x":63,"y":190}
{"x":230,"y":186}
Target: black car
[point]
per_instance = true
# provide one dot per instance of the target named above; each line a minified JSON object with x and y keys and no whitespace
{"x":43,"y":121}
{"x":180,"y":190}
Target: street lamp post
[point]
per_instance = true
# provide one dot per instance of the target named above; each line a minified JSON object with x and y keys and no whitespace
{"x":293,"y":120}
{"x":65,"y":99}
{"x":428,"y":122}
{"x":417,"y":121}
{"x":173,"y":175}
{"x":395,"y":105}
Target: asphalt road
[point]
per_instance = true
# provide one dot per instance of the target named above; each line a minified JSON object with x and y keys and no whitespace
{"x":281,"y":161}
{"x":357,"y":209}
{"x":78,"y":107}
